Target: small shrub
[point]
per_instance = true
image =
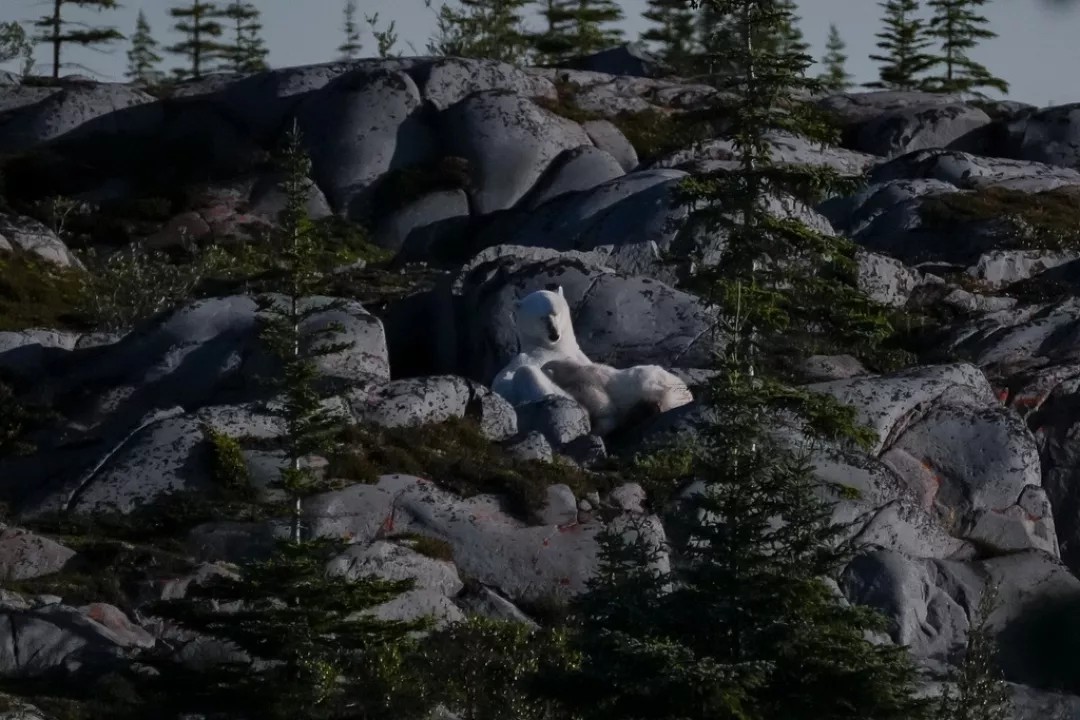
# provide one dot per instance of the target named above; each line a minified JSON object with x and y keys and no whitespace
{"x":229,"y":468}
{"x":428,"y":546}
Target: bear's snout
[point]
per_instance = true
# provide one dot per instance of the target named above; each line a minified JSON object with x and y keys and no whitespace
{"x":553,"y":330}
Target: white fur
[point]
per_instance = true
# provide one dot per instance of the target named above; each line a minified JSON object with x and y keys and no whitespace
{"x":545,"y":333}
{"x":611,"y":395}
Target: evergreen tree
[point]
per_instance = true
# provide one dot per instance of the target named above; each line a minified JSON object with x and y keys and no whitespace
{"x":58,"y":32}
{"x":14,"y":44}
{"x":790,"y":35}
{"x":350,"y":49}
{"x":320,"y":655}
{"x":247,"y":53}
{"x":490,"y":29}
{"x":903,"y":44}
{"x":745,"y":626}
{"x":978,"y":692}
{"x":199,"y":24}
{"x":143,"y":59}
{"x":672,"y":30}
{"x":836,"y":77}
{"x":578,"y":27}
{"x":716,"y":33}
{"x":960,"y":28}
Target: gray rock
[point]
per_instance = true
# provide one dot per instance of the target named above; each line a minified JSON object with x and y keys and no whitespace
{"x":917,"y":127}
{"x":28,"y":352}
{"x":419,"y":230}
{"x":1025,"y":337}
{"x":90,"y":108}
{"x":616,"y":220}
{"x":999,"y":268}
{"x":823,"y":368}
{"x":508,"y":141}
{"x":435,"y":582}
{"x":40,"y":639}
{"x":633,"y":59}
{"x":232,"y":541}
{"x":582,"y":168}
{"x":1050,"y":135}
{"x":32,"y":236}
{"x":359,"y":127}
{"x":970,"y":172}
{"x":267,"y":198}
{"x":561,"y":507}
{"x":784,"y":148}
{"x":447,"y":81}
{"x":629,"y":497}
{"x":1027,"y":703}
{"x":559,"y":419}
{"x":531,"y":446}
{"x":24,"y":555}
{"x":854,"y":108}
{"x":586,"y":450}
{"x":419,"y":401}
{"x":611,"y":140}
{"x":886,"y":280}
{"x":618,"y":320}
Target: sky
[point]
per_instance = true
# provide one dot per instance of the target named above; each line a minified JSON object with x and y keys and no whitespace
{"x":1036,"y":51}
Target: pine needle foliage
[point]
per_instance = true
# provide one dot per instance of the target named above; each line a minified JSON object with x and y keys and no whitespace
{"x":959,"y":27}
{"x":199,"y":23}
{"x":491,"y":29}
{"x":672,"y":32}
{"x":578,"y":27}
{"x":143,"y":59}
{"x":57,"y":31}
{"x":835,"y":78}
{"x":977,"y":691}
{"x":351,"y":47}
{"x":903,"y":45}
{"x":744,"y":625}
{"x":247,"y":52}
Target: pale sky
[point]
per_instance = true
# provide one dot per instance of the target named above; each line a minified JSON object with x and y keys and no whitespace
{"x":1036,"y":52}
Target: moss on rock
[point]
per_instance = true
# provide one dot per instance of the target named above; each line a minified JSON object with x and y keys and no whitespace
{"x":1048,"y":220}
{"x":36,"y":293}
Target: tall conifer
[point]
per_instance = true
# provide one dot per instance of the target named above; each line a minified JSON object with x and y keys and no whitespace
{"x":903,"y":45}
{"x":578,"y":27}
{"x":672,"y":31}
{"x":56,"y":31}
{"x":143,"y":60}
{"x":835,"y":78}
{"x":199,"y":23}
{"x":350,"y":48}
{"x":492,"y":29}
{"x":959,"y":28}
{"x":247,"y":52}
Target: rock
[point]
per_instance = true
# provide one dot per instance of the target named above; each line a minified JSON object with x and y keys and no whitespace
{"x":532,"y":446}
{"x":447,"y":81}
{"x":629,"y":497}
{"x":633,"y":59}
{"x":358,"y":127}
{"x":27,"y":352}
{"x":181,"y":231}
{"x":917,"y":127}
{"x":886,"y":280}
{"x":823,"y":368}
{"x":39,"y":639}
{"x":1022,"y":338}
{"x":582,"y":168}
{"x":508,"y":142}
{"x":177,"y":588}
{"x":622,"y":221}
{"x":561,"y":507}
{"x":1000,"y":268}
{"x":420,"y":401}
{"x":610,"y":139}
{"x":435,"y":582}
{"x":618,"y":320}
{"x":426,"y":228}
{"x":971,"y":172}
{"x":231,"y":541}
{"x":487,"y":603}
{"x":24,"y":555}
{"x":784,"y":148}
{"x":559,"y":419}
{"x":1050,"y":135}
{"x":267,"y":198}
{"x":1027,"y":703}
{"x":855,"y":108}
{"x":32,"y":236}
{"x":586,"y":450}
{"x":91,"y":108}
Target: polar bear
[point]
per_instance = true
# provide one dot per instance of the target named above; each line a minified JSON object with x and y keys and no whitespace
{"x":545,"y":332}
{"x":612,"y":396}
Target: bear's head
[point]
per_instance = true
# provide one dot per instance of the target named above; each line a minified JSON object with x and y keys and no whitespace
{"x":543,"y":320}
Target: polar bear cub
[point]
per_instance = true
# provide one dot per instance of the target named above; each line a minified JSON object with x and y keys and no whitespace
{"x":613,"y":396}
{"x":545,"y":332}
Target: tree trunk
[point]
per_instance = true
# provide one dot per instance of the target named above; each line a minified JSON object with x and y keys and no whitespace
{"x":56,"y":38}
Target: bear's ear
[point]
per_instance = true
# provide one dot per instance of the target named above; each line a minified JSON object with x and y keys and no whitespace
{"x":560,"y":291}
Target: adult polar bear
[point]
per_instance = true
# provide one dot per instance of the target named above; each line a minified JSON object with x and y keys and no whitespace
{"x":546,"y":337}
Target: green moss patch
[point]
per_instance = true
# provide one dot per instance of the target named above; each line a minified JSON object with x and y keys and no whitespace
{"x":1048,"y":220}
{"x":456,"y":456}
{"x":428,"y":546}
{"x":36,"y":293}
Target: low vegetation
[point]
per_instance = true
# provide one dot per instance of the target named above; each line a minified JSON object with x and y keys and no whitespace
{"x":1034,"y":221}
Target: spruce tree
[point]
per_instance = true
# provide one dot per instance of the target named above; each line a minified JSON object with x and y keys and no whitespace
{"x":903,"y":44}
{"x":58,"y":32}
{"x":247,"y":52}
{"x":199,"y":23}
{"x":350,"y":48}
{"x":320,"y":655}
{"x":745,"y":622}
{"x":143,"y":59}
{"x":673,"y":24}
{"x":836,"y":77}
{"x":578,"y":27}
{"x":959,"y":27}
{"x":790,"y":33}
{"x":977,"y":692}
{"x":491,"y":29}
